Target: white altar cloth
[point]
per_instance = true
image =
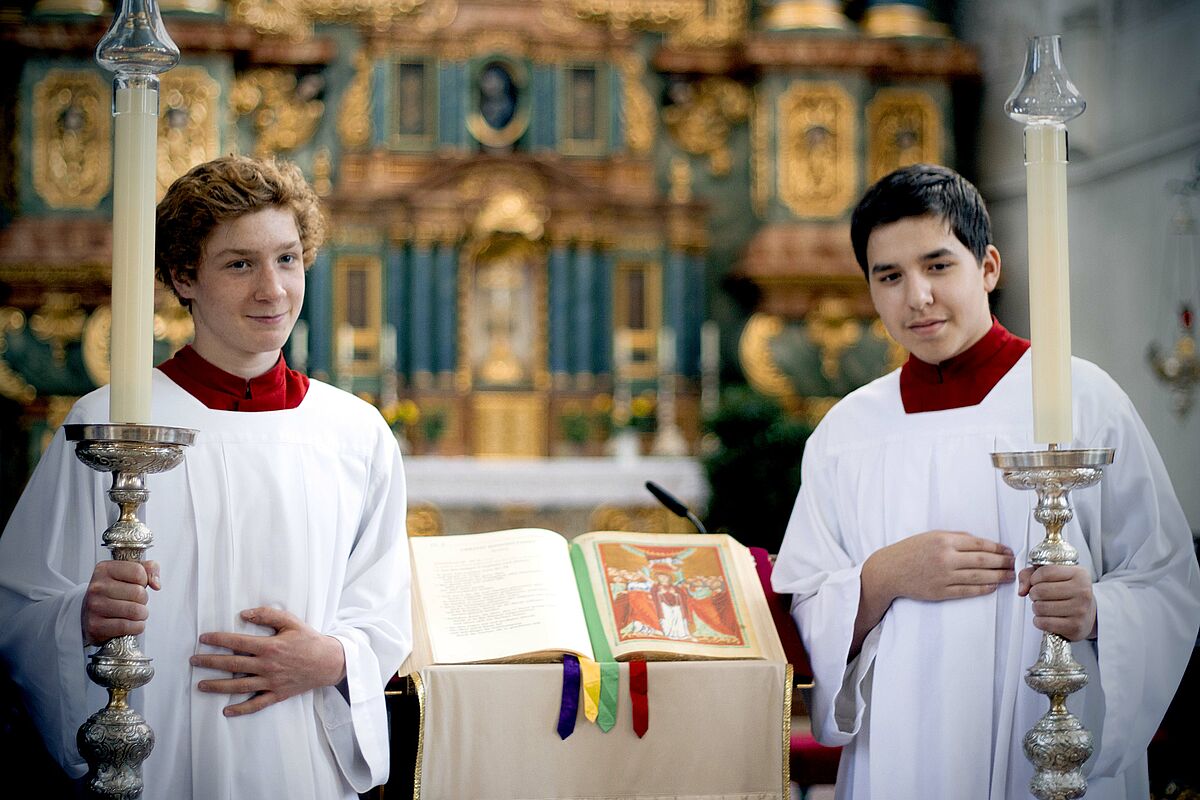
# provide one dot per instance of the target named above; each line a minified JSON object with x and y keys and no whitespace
{"x":718,"y":730}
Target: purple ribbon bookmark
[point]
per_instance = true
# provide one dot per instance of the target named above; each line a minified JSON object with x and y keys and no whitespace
{"x":570,"y":696}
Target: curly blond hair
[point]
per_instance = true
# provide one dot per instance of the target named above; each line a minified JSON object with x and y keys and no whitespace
{"x":224,"y":189}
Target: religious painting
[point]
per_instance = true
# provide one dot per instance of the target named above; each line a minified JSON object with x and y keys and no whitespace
{"x":584,"y":106}
{"x":413,"y":92}
{"x":680,"y":594}
{"x":637,"y":313}
{"x":500,"y":115}
{"x":72,"y":135}
{"x":903,"y":127}
{"x":357,"y":303}
{"x":817,"y":139}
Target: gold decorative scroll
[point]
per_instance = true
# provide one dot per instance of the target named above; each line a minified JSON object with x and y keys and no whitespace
{"x":637,"y":519}
{"x":12,"y":385}
{"x":354,"y":118}
{"x":832,"y":327}
{"x":173,"y":324}
{"x":754,"y":353}
{"x":285,"y":110}
{"x":639,"y":105}
{"x":817,"y":166}
{"x":760,"y":154}
{"x":722,"y":22}
{"x":511,"y":211}
{"x":701,"y":123}
{"x":621,"y":14}
{"x":295,"y":17}
{"x":896,"y":354}
{"x":96,"y":345}
{"x":58,"y":322}
{"x":903,"y":127}
{"x":72,"y":139}
{"x":681,"y":181}
{"x":188,"y":123}
{"x":425,"y":519}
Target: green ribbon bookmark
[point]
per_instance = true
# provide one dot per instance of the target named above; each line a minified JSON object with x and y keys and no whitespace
{"x":610,"y":673}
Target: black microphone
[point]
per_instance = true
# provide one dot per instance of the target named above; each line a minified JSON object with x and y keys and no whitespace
{"x":673,"y":505}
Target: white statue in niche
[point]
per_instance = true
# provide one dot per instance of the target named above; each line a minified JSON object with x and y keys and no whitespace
{"x":503,"y":319}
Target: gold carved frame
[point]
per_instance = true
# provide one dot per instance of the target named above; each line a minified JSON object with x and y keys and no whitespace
{"x":818,"y":171}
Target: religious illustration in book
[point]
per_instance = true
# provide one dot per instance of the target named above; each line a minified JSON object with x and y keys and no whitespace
{"x":670,"y":593}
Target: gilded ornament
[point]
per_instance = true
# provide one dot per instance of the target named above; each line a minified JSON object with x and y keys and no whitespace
{"x":285,"y":110}
{"x":189,"y":123}
{"x":295,"y":18}
{"x":896,"y":354}
{"x":681,"y":181}
{"x":701,"y":117}
{"x":96,"y":344}
{"x":354,"y":117}
{"x":72,"y":139}
{"x":720,"y":22}
{"x":12,"y":385}
{"x":817,"y":167}
{"x":833,"y":329}
{"x":425,"y":519}
{"x":786,"y":15}
{"x":637,"y":519}
{"x":173,"y":324}
{"x":622,"y":14}
{"x":903,"y":127}
{"x":754,"y":353}
{"x":58,"y":322}
{"x":484,"y":180}
{"x":509,"y":424}
{"x":760,"y":154}
{"x":323,"y":172}
{"x":639,"y":105}
{"x":511,"y":211}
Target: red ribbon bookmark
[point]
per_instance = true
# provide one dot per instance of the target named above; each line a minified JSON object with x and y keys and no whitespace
{"x":638,"y":697}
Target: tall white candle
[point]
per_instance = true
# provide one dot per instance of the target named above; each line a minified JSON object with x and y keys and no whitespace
{"x":135,"y":121}
{"x":1049,"y":285}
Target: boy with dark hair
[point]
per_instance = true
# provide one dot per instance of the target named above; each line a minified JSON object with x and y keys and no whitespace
{"x":281,"y":607}
{"x":902,"y":548}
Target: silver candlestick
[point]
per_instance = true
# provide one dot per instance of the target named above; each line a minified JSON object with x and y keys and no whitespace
{"x":116,"y":739}
{"x":1057,"y":744}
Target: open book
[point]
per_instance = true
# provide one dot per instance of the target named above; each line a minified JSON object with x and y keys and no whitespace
{"x":530,"y":595}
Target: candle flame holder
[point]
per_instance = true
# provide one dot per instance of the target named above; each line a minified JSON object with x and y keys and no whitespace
{"x":1057,"y":744}
{"x":117,"y":739}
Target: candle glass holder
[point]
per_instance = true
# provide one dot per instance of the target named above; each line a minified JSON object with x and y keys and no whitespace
{"x":1057,"y":744}
{"x":116,"y":739}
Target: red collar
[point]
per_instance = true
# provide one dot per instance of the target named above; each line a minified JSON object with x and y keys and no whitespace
{"x":276,"y":389}
{"x":963,"y":380}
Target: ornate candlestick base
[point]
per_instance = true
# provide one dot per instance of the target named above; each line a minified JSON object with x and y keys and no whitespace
{"x":1057,"y":744}
{"x":116,"y":740}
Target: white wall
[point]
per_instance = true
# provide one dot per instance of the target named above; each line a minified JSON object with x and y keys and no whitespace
{"x":1137,"y":63}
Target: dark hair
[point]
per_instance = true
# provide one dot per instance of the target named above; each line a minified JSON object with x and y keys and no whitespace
{"x":917,"y":191}
{"x":224,"y":189}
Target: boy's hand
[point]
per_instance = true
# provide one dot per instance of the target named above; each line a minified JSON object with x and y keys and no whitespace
{"x":941,"y":565}
{"x":1063,"y":602}
{"x":115,"y":601}
{"x":934,"y":565}
{"x":293,"y":660}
